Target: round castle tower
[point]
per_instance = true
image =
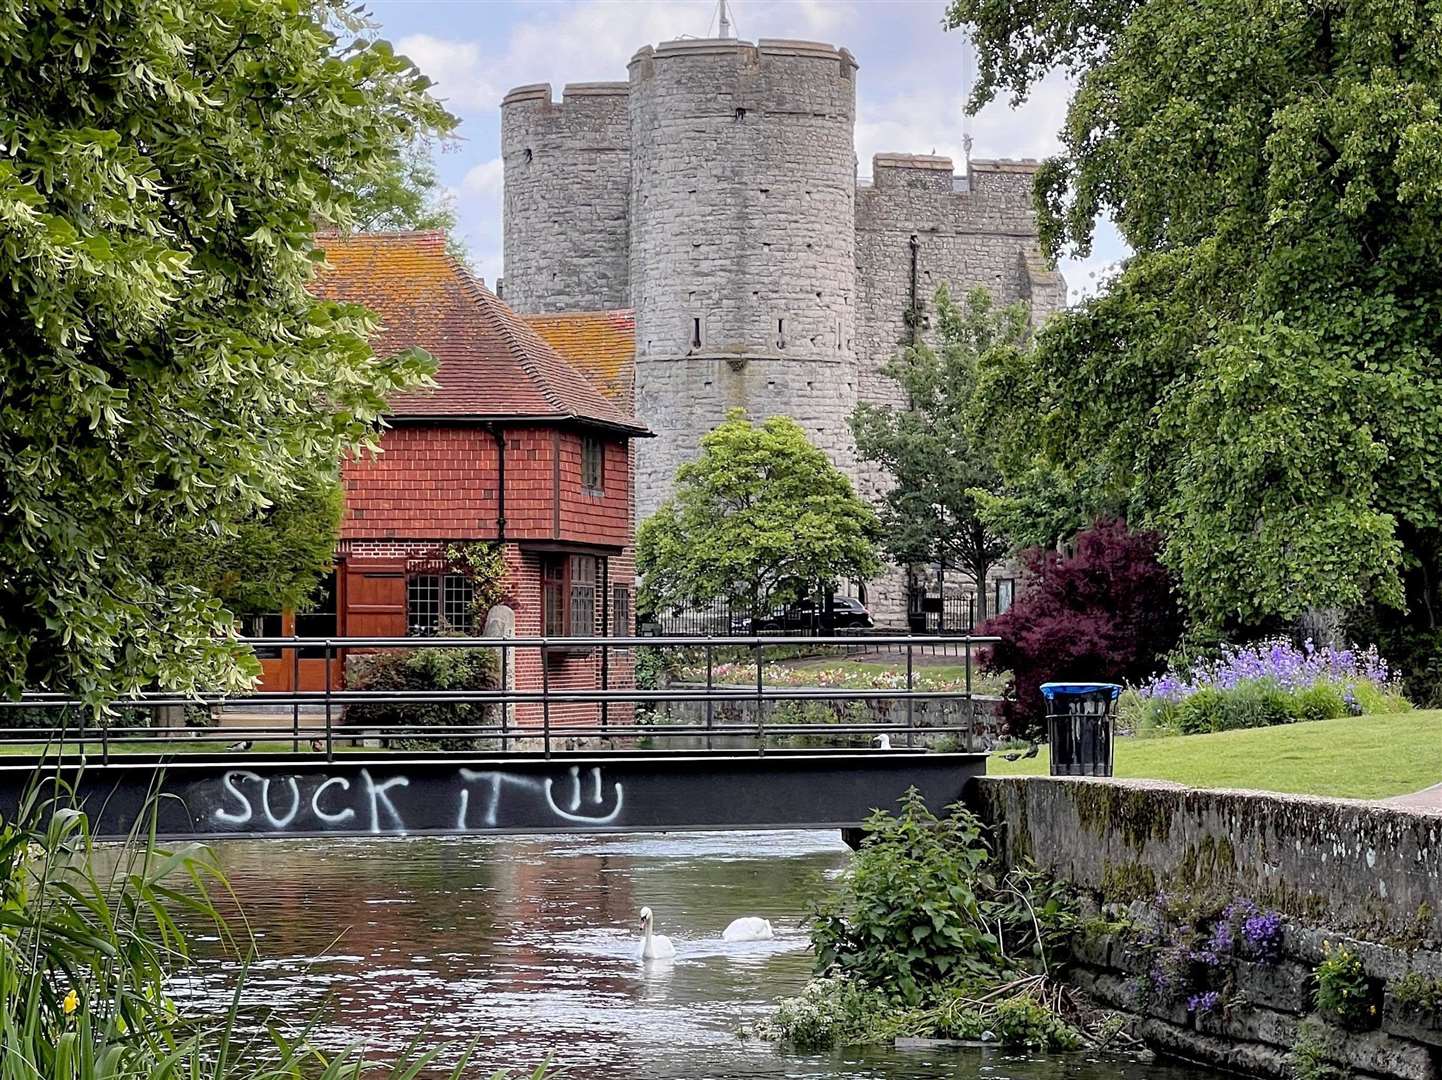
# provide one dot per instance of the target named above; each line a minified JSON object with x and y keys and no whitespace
{"x":567,"y":184}
{"x":742,"y":243}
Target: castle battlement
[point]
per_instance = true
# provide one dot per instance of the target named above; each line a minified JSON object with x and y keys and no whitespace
{"x":716,"y":193}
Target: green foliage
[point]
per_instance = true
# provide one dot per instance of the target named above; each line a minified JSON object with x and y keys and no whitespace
{"x":834,"y":1011}
{"x":829,"y":1012}
{"x":1310,"y":1057}
{"x":654,"y":667}
{"x":1417,"y":992}
{"x":425,"y":669}
{"x":1323,"y":701}
{"x":483,"y":564}
{"x":761,"y":515}
{"x":1343,"y":994}
{"x":820,"y":715}
{"x":164,"y":371}
{"x":1023,"y":1023}
{"x":938,"y":450}
{"x":405,"y":195}
{"x":922,"y":908}
{"x":1258,"y":382}
{"x":274,"y":558}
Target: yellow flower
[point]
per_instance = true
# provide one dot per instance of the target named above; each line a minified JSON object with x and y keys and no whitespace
{"x":71,"y":1003}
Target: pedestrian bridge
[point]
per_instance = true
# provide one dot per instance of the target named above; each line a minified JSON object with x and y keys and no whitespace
{"x":299,"y":763}
{"x":443,"y":794}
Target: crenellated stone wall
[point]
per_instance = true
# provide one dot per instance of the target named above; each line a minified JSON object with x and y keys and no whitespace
{"x":716,"y":193}
{"x":1160,"y":865}
{"x":566,"y":216}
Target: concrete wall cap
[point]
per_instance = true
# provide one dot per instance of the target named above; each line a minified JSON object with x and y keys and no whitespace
{"x":912,"y":161}
{"x":529,"y":92}
{"x":1004,"y":165}
{"x":596,"y":89}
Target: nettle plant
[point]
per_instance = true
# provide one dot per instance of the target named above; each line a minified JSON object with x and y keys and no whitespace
{"x":1192,"y":959}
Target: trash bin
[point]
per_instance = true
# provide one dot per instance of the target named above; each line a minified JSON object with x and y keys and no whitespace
{"x":1079,"y":727}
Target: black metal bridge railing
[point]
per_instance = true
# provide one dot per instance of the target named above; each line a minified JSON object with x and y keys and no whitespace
{"x":542,"y":717}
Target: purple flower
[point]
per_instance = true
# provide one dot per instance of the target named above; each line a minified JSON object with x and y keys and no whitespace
{"x":1202,"y":1004}
{"x":1278,"y":662}
{"x":1263,"y":936}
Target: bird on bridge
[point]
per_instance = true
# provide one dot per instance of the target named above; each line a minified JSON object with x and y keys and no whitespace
{"x":1031,"y":751}
{"x":749,"y":928}
{"x":238,"y":747}
{"x":654,"y":946}
{"x":882,"y":742}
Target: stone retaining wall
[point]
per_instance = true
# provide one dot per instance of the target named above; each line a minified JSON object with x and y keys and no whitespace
{"x":1159,"y":864}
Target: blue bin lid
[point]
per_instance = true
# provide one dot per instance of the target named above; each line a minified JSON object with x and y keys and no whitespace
{"x":1049,"y":690}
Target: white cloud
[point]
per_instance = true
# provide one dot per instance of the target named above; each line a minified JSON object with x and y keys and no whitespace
{"x":485,"y":180}
{"x":456,"y":67}
{"x":911,"y":86}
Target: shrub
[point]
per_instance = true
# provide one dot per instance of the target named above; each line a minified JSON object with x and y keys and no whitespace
{"x":424,"y":669}
{"x":1324,"y":701}
{"x":1104,"y":612}
{"x":922,"y":908}
{"x":1202,"y":712}
{"x":1254,"y":705}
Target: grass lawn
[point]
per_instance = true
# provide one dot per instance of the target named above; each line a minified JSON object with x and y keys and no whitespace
{"x":1362,"y":757}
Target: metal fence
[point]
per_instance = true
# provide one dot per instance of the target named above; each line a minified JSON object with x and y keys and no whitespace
{"x":954,"y":613}
{"x":543,"y":715}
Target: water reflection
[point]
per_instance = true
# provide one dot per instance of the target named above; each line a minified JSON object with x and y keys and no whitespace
{"x":530,"y":944}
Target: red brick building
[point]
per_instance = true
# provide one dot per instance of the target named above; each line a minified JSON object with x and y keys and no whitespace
{"x":515,"y":446}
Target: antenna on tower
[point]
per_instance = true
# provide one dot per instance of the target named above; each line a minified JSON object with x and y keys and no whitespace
{"x":724,"y":21}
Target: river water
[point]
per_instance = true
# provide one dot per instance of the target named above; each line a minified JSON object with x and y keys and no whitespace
{"x":529,"y":945}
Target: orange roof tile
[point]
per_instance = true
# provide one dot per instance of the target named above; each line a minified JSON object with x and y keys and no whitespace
{"x":600,"y":344}
{"x":492,"y":364}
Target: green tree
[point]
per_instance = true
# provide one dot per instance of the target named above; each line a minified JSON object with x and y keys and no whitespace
{"x":406,"y":195}
{"x":273,"y":560}
{"x":1260,"y":382}
{"x":938,"y":450}
{"x":164,"y":370}
{"x":761,"y":515}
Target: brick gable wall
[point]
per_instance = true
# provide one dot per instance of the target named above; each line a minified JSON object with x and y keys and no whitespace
{"x":440,"y":481}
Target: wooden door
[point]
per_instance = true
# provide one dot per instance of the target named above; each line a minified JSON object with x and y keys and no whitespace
{"x":375,"y":598}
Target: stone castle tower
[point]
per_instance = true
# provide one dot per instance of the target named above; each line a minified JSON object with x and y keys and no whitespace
{"x":716,"y":193}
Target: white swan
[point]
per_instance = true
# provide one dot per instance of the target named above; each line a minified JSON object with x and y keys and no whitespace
{"x":883,"y":742}
{"x":654,"y":946}
{"x":748,"y":929}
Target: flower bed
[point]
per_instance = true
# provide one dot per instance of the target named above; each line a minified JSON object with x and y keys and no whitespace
{"x":1265,"y":683}
{"x":841,"y":678}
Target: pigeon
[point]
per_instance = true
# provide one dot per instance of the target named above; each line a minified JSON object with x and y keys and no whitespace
{"x":244,"y":744}
{"x":1031,"y":751}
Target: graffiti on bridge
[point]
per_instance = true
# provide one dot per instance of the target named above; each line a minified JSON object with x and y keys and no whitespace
{"x":470,"y":799}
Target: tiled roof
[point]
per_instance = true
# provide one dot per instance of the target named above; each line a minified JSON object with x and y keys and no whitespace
{"x":492,"y":365}
{"x":600,"y":344}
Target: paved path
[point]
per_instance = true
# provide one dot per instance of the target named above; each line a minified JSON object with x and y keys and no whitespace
{"x":1426,"y":799}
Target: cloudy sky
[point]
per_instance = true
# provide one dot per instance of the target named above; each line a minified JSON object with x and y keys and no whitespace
{"x":910,"y":88}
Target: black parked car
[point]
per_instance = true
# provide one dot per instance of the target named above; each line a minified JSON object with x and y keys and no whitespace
{"x":847,"y":613}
